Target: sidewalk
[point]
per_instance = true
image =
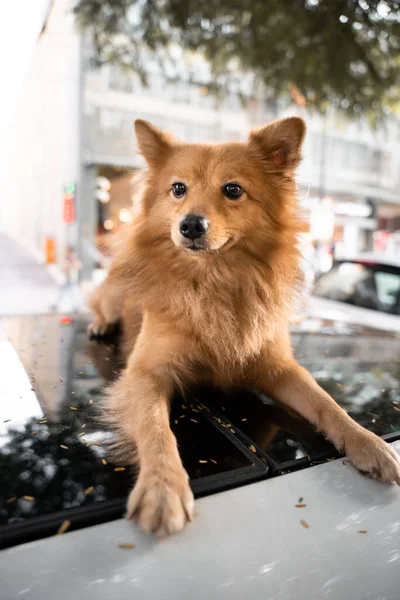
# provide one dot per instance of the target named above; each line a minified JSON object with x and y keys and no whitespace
{"x":25,"y":285}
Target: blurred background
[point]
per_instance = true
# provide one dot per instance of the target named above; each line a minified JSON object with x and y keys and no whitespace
{"x":77,"y":73}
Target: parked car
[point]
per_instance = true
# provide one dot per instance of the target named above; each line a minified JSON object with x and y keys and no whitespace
{"x":362,"y":289}
{"x":279,"y":514}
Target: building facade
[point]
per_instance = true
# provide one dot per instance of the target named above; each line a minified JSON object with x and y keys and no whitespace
{"x":43,"y":148}
{"x":75,"y":124}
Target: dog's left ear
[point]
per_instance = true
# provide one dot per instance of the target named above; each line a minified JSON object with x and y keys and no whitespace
{"x":278,"y":144}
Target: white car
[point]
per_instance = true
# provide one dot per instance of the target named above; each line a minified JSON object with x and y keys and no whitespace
{"x":361,"y":290}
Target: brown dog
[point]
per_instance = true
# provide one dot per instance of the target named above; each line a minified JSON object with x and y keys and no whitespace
{"x":206,"y":279}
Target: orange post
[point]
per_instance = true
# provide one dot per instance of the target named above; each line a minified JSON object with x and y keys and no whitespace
{"x":50,"y":251}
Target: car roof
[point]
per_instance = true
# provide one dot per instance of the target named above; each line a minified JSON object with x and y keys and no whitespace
{"x":48,"y":475}
{"x":251,"y":542}
{"x":379,"y":259}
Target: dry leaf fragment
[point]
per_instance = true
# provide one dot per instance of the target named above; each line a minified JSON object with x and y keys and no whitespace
{"x":304,"y":523}
{"x":65,"y":525}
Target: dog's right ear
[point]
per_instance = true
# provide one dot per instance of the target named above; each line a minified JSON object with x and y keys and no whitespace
{"x":153,"y":143}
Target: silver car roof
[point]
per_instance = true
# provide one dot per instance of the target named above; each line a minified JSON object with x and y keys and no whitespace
{"x":248,"y":543}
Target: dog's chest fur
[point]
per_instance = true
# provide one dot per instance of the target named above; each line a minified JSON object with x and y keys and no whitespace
{"x":230,"y":313}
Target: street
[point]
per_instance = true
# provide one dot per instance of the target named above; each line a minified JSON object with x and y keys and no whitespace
{"x":26,"y":287}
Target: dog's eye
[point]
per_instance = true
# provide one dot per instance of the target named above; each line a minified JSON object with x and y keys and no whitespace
{"x":179,"y":189}
{"x":233,"y":191}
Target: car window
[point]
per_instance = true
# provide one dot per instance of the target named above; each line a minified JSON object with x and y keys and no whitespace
{"x":388,"y":290}
{"x":367,"y":286}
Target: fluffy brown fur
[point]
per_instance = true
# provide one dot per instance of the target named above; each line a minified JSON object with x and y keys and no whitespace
{"x":214,"y":309}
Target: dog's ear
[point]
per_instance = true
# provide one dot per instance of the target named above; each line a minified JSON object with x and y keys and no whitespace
{"x":278,"y":144}
{"x":152,"y":142}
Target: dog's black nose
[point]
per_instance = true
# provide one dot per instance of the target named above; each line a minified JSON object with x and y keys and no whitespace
{"x":193,"y":226}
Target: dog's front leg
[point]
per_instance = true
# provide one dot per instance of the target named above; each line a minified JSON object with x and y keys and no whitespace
{"x":161,"y":501}
{"x":106,"y":304}
{"x":294,"y":387}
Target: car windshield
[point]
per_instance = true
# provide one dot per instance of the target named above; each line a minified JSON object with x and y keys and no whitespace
{"x":372,"y":286}
{"x":55,"y":463}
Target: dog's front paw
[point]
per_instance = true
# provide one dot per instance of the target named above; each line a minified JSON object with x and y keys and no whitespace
{"x":161,"y":502}
{"x":373,"y":456}
{"x":99,"y":328}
